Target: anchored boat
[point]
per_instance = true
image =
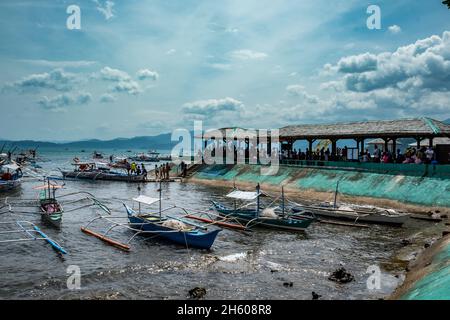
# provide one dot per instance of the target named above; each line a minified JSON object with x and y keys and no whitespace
{"x":172,"y":228}
{"x":267,"y":218}
{"x":51,"y":209}
{"x":94,"y":171}
{"x":10,"y":177}
{"x":355,"y":213}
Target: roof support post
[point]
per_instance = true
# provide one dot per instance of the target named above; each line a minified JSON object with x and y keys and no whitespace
{"x":394,"y":148}
{"x":418,"y":139}
{"x":333,"y":148}
{"x":386,"y":144}
{"x":431,"y":142}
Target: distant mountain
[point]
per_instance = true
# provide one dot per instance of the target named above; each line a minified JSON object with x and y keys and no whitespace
{"x":446,"y":121}
{"x":160,"y":142}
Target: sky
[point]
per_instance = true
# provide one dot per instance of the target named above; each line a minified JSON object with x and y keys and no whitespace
{"x":139,"y":68}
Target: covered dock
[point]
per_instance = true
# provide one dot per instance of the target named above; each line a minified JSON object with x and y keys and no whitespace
{"x":389,"y":131}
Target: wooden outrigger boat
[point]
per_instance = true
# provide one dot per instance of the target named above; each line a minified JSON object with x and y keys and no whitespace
{"x":173,"y":228}
{"x":354,"y":213}
{"x":51,"y":209}
{"x":10,"y":177}
{"x":91,"y":171}
{"x":31,"y":233}
{"x":261,"y":218}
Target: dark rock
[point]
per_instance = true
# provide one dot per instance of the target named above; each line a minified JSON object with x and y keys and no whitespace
{"x":315,"y":296}
{"x":406,"y":242}
{"x":341,"y":276}
{"x":288,"y":284}
{"x":426,"y":245}
{"x":445,"y":233}
{"x":444,"y":216}
{"x":197,"y":293}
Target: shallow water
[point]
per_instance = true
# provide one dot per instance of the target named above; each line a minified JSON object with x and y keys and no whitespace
{"x":239,"y":266}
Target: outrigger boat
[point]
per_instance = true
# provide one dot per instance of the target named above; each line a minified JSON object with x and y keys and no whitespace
{"x":30,"y":231}
{"x":173,"y":228}
{"x":51,"y":209}
{"x":151,"y":156}
{"x":266,"y":218}
{"x":354,"y":213}
{"x":10,"y":177}
{"x":95,"y":171}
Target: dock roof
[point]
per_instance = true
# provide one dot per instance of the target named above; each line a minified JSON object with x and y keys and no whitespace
{"x":418,"y":127}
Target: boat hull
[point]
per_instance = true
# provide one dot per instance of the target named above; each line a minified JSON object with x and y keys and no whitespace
{"x":248,"y":217}
{"x":9,"y":185}
{"x":195,"y":239}
{"x":356,"y":217}
{"x":103,"y":176}
{"x":51,"y":212}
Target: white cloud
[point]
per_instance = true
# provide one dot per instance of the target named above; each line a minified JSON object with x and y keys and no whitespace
{"x":147,"y":74}
{"x":422,"y":65}
{"x":106,"y":9}
{"x":297,"y":90}
{"x":60,"y":64}
{"x":171,"y":51}
{"x":212,"y":107}
{"x":246,"y":54}
{"x":357,"y":64}
{"x":59,"y":102}
{"x":130,"y":87}
{"x":57,"y":79}
{"x":220,"y":66}
{"x":107,"y":98}
{"x":395,"y":29}
{"x":111,"y":74}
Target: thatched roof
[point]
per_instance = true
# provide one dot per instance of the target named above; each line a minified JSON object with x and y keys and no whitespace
{"x":419,"y":127}
{"x":233,"y":132}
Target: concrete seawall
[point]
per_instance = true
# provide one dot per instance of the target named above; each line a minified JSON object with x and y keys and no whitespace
{"x":395,"y":190}
{"x":429,"y":276}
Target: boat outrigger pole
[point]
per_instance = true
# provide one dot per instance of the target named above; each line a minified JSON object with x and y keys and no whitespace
{"x":282,"y":199}
{"x":258,"y":188}
{"x":160,"y":196}
{"x":335,"y":195}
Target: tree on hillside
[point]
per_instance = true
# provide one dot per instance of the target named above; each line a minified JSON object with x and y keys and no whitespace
{"x":447,"y":2}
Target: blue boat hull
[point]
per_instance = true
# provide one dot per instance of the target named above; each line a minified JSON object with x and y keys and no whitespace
{"x":191,"y":239}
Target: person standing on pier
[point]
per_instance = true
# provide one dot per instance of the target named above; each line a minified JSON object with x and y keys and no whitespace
{"x":156,"y":172}
{"x":144,"y":171}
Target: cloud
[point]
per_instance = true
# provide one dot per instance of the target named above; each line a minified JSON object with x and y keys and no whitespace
{"x":56,"y":80}
{"x":130,"y":87}
{"x":297,"y":90}
{"x":60,"y":102}
{"x":60,"y":64}
{"x":107,"y":98}
{"x":111,"y":74}
{"x":147,"y":74}
{"x":395,"y":29}
{"x":422,"y":65}
{"x":106,"y":9}
{"x":357,"y":64}
{"x":220,"y":66}
{"x":209,"y":108}
{"x":171,"y":51}
{"x":246,"y":54}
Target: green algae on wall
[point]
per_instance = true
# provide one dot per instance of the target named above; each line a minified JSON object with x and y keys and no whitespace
{"x":436,"y":284}
{"x":427,"y":191}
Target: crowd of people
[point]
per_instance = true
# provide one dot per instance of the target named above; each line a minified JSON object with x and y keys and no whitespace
{"x":162,"y":172}
{"x":421,"y":155}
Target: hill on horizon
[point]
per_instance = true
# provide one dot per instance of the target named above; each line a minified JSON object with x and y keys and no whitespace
{"x":161,"y":142}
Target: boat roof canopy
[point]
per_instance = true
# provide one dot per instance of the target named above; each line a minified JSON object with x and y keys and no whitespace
{"x":243,"y":195}
{"x":11,"y":166}
{"x":146,"y":200}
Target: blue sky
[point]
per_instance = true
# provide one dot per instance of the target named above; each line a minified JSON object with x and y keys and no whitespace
{"x":147,"y":67}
